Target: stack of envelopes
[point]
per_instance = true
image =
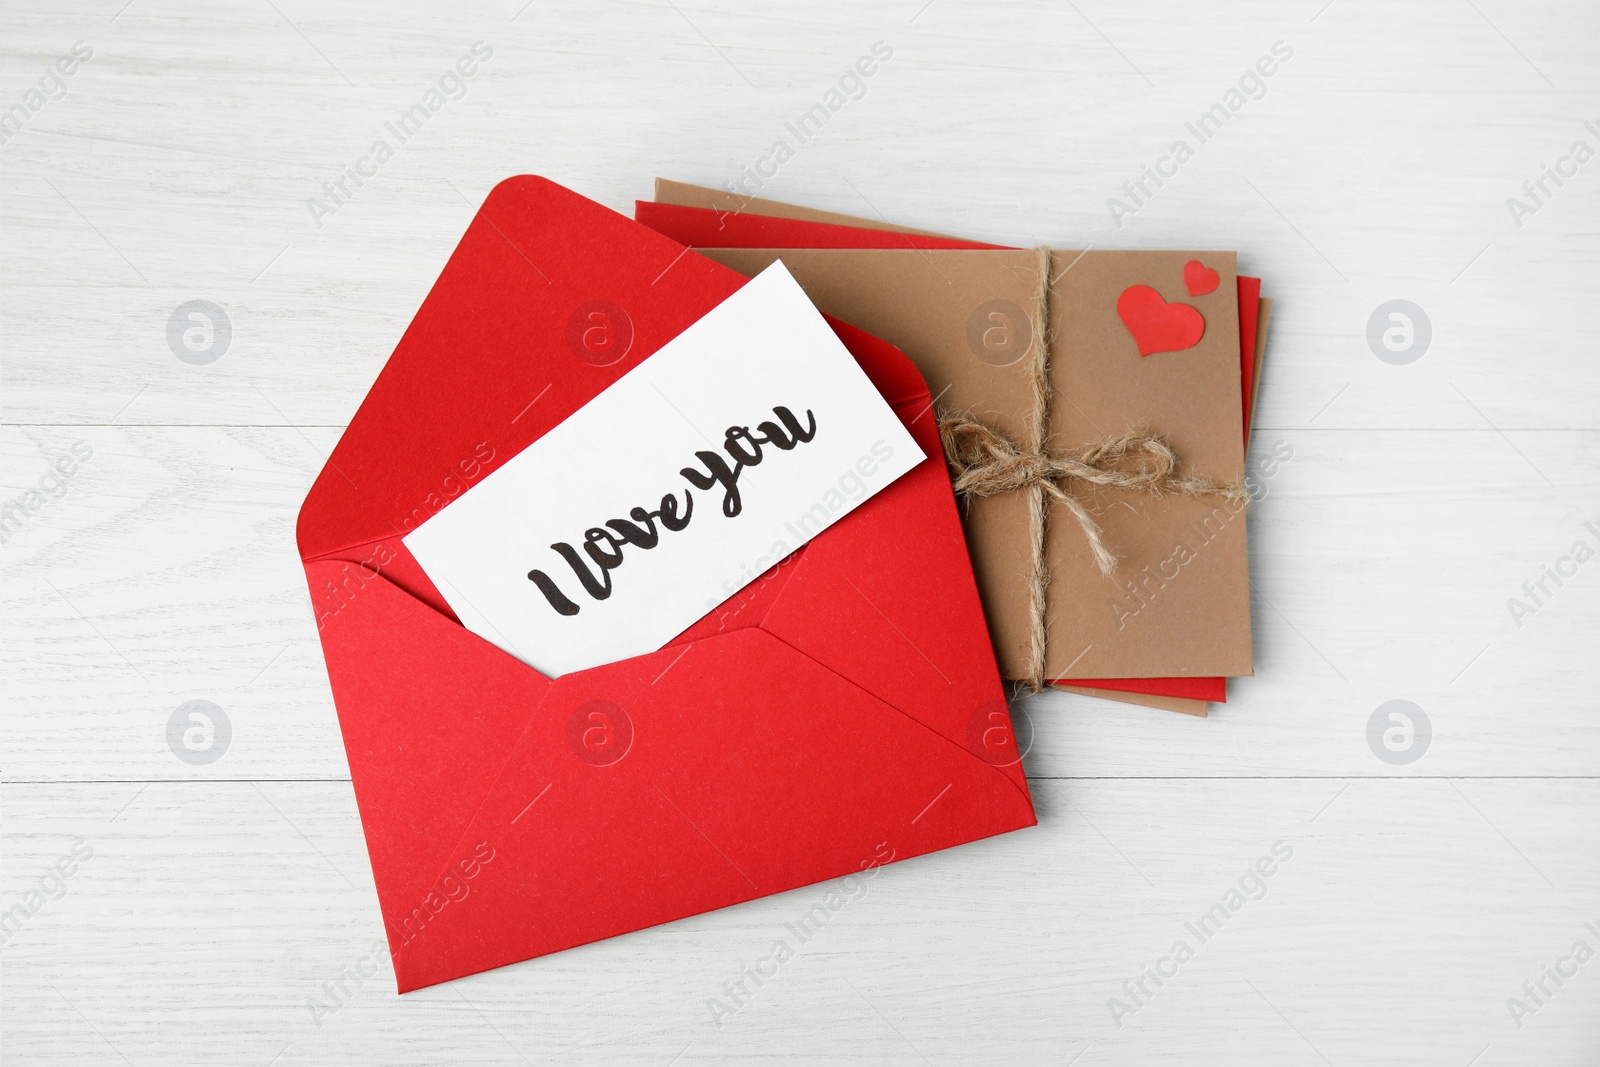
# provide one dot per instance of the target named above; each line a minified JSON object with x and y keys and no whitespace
{"x":1169,"y":342}
{"x":847,"y":708}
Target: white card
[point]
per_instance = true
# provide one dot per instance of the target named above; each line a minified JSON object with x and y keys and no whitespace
{"x":737,"y":442}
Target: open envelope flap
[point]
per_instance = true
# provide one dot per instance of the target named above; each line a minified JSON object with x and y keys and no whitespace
{"x":492,"y":361}
{"x":494,"y":358}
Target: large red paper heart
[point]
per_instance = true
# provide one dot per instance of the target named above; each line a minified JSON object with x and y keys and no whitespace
{"x":1156,"y":325}
{"x":1200,"y":278}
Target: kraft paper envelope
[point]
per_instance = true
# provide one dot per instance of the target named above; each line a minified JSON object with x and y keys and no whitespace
{"x":1178,"y":606}
{"x":710,"y":218}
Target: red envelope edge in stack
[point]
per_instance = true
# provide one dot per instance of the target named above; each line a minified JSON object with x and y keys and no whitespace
{"x":843,"y":712}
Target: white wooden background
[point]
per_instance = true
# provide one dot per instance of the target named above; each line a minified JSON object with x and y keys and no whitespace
{"x":220,"y":898}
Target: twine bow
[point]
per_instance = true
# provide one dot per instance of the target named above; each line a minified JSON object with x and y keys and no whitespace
{"x":985,"y":462}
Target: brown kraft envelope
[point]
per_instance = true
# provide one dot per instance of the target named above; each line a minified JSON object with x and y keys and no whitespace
{"x":1178,"y":605}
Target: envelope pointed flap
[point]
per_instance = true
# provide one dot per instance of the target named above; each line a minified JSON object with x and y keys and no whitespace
{"x":547,"y":300}
{"x":428,"y":712}
{"x":729,"y":788}
{"x":912,"y":636}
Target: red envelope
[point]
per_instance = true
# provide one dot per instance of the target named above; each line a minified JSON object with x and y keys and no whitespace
{"x":841,"y":712}
{"x":709,"y":228}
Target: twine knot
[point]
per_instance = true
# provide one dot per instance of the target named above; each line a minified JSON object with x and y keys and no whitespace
{"x":985,"y":462}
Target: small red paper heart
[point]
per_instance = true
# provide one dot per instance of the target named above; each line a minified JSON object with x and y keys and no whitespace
{"x":1156,"y":325}
{"x":1200,"y":278}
